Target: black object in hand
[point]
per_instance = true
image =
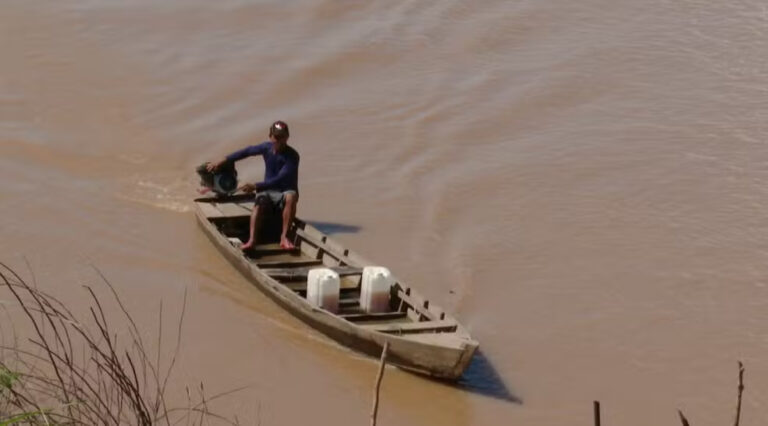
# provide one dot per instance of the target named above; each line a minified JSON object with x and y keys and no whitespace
{"x":223,"y":181}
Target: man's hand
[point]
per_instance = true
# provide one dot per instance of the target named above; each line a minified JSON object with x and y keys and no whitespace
{"x":247,"y":188}
{"x":213,"y":166}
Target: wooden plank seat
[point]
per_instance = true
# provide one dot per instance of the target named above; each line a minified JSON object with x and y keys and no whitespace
{"x":210,"y":211}
{"x":297,"y":274}
{"x":220,"y":211}
{"x":413,"y":327}
{"x":271,"y":249}
{"x":300,"y":287}
{"x":384,"y":316}
{"x":234,"y":209}
{"x":349,"y":303}
{"x":289,"y":263}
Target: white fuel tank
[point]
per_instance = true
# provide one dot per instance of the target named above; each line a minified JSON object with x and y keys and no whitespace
{"x":374,"y":291}
{"x":323,"y":286}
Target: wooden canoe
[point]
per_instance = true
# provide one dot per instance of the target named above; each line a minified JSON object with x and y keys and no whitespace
{"x":422,"y":337}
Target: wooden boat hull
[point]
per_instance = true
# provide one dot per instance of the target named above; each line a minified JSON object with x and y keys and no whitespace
{"x":441,"y":355}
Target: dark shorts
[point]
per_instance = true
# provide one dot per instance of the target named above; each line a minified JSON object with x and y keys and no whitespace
{"x":273,"y":199}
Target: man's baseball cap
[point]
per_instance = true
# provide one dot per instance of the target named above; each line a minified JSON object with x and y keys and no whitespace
{"x":279,"y":130}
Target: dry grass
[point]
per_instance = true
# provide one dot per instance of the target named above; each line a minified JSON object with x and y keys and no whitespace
{"x":76,"y":372}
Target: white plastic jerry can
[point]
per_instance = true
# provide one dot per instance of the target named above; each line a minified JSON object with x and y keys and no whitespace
{"x":323,"y":286}
{"x":374,"y":290}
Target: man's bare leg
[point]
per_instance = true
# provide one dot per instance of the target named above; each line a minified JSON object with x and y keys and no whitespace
{"x":289,"y":212}
{"x":255,"y":216}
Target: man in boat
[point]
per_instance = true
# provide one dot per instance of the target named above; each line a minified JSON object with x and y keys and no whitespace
{"x":280,"y":187}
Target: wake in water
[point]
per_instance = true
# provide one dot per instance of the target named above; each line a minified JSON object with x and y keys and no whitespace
{"x":162,"y":190}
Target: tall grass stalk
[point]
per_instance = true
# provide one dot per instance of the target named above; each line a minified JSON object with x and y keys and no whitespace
{"x":77,"y":372}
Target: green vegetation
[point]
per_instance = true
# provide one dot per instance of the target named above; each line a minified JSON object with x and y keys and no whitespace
{"x":7,"y":379}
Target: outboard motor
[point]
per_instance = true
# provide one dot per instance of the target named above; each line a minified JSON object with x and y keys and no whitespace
{"x":223,"y":182}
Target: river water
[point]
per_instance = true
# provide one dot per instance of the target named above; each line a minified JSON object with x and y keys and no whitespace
{"x":582,"y":183}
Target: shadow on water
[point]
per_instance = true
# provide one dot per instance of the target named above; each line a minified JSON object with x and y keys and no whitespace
{"x":333,"y":228}
{"x":481,"y":377}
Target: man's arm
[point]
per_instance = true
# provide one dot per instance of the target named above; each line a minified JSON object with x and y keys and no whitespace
{"x":238,"y":155}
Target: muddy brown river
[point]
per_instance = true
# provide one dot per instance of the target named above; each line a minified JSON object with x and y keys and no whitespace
{"x":582,"y":183}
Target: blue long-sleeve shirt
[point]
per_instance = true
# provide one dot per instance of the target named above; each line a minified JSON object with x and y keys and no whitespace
{"x":281,"y":169}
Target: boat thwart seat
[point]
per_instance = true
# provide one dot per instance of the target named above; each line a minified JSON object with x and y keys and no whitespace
{"x":302,"y":273}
